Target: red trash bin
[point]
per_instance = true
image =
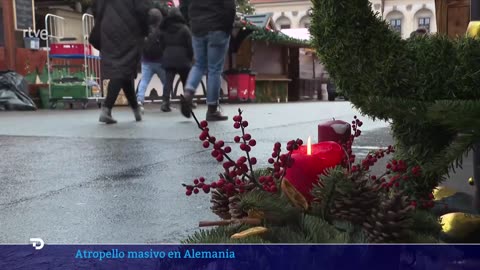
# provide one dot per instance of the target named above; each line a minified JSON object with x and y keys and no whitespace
{"x":238,"y":85}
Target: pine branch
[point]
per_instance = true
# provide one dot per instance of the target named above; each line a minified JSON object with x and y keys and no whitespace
{"x":426,"y":223}
{"x":451,"y":156}
{"x":287,"y":234}
{"x":326,"y":189}
{"x":277,"y":209}
{"x":461,"y":116}
{"x":318,"y":230}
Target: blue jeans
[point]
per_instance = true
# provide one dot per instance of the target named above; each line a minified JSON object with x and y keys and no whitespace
{"x":148,"y":70}
{"x":209,"y":51}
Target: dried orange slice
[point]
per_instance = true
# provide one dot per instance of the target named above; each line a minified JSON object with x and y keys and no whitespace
{"x":249,"y":232}
{"x":294,"y":195}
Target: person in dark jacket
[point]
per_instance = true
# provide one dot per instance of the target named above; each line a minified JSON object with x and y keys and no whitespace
{"x":177,"y":52}
{"x":123,"y":27}
{"x":211,"y":22}
{"x":151,"y":65}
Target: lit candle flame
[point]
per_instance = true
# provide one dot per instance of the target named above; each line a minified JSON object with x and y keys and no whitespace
{"x":309,"y":146}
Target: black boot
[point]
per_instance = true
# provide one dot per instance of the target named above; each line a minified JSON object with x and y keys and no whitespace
{"x":106,"y":116}
{"x":186,"y":104}
{"x":165,"y":107}
{"x":137,"y":113}
{"x":213,"y":114}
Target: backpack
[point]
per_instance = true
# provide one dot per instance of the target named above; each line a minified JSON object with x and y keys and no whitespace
{"x":153,"y":48}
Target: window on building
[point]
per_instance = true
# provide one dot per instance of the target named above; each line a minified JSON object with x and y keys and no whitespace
{"x":283,"y":22}
{"x":396,"y":25}
{"x":424,"y":23}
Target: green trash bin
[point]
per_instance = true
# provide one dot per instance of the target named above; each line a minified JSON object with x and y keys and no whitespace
{"x":45,"y":99}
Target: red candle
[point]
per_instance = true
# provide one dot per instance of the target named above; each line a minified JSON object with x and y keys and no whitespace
{"x":309,"y":162}
{"x":336,"y":131}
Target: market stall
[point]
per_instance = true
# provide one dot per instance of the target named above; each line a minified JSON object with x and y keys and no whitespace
{"x":272,"y":56}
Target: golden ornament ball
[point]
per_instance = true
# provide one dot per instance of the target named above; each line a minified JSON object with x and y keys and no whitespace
{"x":470,"y":181}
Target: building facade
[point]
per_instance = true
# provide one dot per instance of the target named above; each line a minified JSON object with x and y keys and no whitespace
{"x":405,"y":16}
{"x":286,"y":13}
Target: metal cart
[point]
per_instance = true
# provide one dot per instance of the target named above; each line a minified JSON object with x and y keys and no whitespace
{"x":84,"y":85}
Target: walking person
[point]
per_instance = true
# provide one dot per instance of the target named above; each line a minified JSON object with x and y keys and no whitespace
{"x":177,"y":52}
{"x":211,"y":22}
{"x":121,"y":29}
{"x":152,"y":55}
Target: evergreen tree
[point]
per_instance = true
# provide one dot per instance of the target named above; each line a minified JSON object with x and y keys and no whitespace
{"x":425,"y":86}
{"x":244,"y":6}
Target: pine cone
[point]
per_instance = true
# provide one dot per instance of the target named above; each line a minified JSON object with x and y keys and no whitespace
{"x":235,"y":211}
{"x":390,"y":221}
{"x":356,"y":203}
{"x":220,"y":204}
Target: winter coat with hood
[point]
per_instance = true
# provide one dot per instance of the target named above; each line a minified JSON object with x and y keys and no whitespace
{"x":155,"y":18}
{"x":123,"y":27}
{"x":176,"y":42}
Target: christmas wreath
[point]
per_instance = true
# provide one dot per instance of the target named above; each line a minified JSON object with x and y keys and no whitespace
{"x":346,"y":203}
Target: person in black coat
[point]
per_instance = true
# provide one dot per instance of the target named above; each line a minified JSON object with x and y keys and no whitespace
{"x":123,"y":27}
{"x":177,"y":52}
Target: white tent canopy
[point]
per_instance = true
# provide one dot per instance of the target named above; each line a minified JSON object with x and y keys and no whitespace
{"x":297,"y":33}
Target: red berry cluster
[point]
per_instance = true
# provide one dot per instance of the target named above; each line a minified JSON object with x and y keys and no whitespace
{"x":356,"y":123}
{"x":349,"y":159}
{"x":398,"y":172}
{"x":239,"y":122}
{"x":246,"y":143}
{"x":268,"y":183}
{"x":227,"y":187}
{"x":417,"y":171}
{"x":238,"y":176}
{"x":197,"y":185}
{"x":397,"y":166}
{"x":219,"y":151}
{"x":394,"y":181}
{"x":281,"y":162}
{"x":373,"y":158}
{"x":428,"y":202}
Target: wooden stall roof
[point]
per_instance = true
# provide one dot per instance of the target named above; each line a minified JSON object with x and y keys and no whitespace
{"x":261,"y":20}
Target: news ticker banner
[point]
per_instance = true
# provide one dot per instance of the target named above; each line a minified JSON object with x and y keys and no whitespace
{"x":304,"y":257}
